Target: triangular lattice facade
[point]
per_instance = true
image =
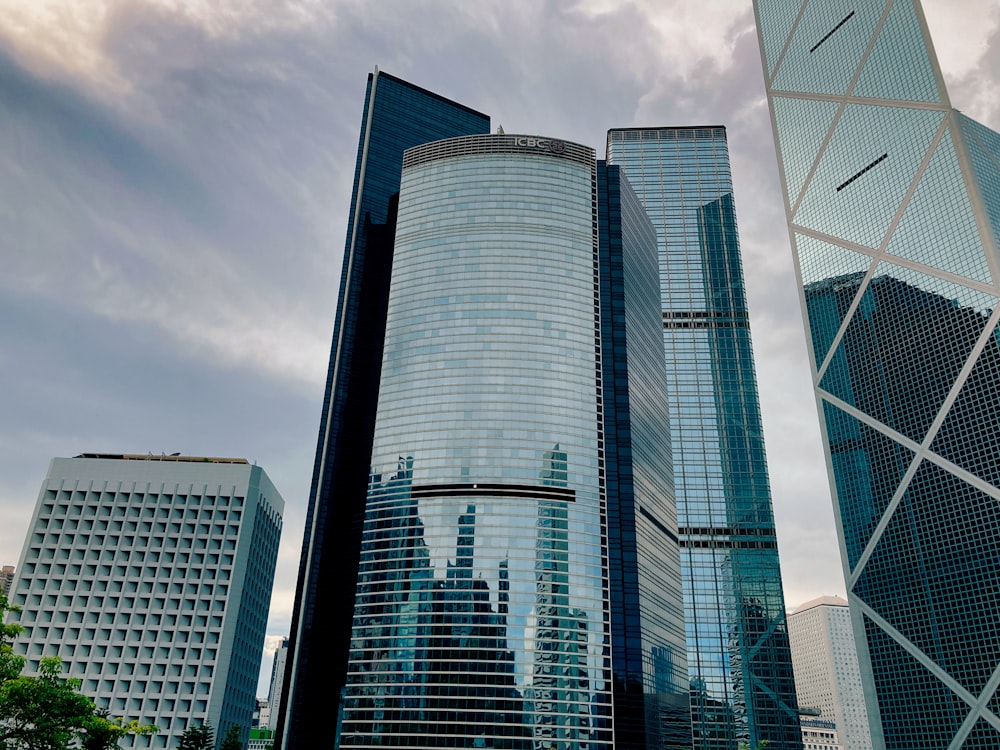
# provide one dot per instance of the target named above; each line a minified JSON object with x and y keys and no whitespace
{"x":893,"y":203}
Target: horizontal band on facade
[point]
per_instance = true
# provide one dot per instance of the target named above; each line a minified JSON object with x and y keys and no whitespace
{"x":484,"y":489}
{"x":663,"y":529}
{"x":726,"y":544}
{"x":706,"y":324}
{"x":716,"y":531}
{"x":703,"y":315}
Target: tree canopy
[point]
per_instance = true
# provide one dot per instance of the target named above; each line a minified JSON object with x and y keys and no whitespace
{"x":232,"y":739}
{"x":46,"y":711}
{"x":198,"y":737}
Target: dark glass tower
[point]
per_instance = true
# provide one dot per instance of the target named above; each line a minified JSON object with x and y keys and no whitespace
{"x":648,"y":662}
{"x":893,"y":206}
{"x":742,"y":687}
{"x":397,"y":115}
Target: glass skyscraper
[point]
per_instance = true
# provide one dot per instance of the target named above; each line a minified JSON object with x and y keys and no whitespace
{"x":893,"y":205}
{"x":491,"y":610}
{"x":491,"y":556}
{"x":742,"y":687}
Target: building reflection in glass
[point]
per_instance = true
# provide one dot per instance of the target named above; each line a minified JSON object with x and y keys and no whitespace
{"x":480,"y":607}
{"x":738,"y":656}
{"x":559,"y":692}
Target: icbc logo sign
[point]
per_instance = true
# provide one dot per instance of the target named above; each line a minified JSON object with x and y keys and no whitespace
{"x":548,"y":144}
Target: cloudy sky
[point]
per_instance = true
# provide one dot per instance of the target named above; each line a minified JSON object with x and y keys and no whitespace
{"x":174,"y":186}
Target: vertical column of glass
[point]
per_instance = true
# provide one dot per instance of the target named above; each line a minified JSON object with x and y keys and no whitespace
{"x":742,"y":686}
{"x":481,"y":599}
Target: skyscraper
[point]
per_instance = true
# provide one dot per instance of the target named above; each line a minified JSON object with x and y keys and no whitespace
{"x":6,"y":578}
{"x":827,"y":676}
{"x":508,"y":573}
{"x":893,"y":205}
{"x":150,"y":577}
{"x":396,"y":116}
{"x":742,"y":686}
{"x":277,"y":684}
{"x":490,"y":609}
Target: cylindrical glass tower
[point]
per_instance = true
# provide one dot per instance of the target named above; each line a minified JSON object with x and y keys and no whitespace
{"x":480,"y":618}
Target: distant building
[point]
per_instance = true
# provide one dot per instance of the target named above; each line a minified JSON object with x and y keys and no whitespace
{"x":827,"y":676}
{"x":6,"y":578}
{"x":277,"y":684}
{"x":261,"y":715}
{"x":491,"y":554}
{"x":734,"y":607}
{"x":821,"y":735}
{"x":150,"y":577}
{"x":260,"y":739}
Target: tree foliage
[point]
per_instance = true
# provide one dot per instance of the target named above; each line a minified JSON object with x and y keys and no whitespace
{"x":198,"y":737}
{"x":46,"y":712}
{"x":232,"y":739}
{"x":103,"y":732}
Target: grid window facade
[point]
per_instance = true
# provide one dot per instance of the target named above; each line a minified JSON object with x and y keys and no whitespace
{"x":827,"y":675}
{"x":740,"y":668}
{"x":651,"y":706}
{"x":151,"y":581}
{"x":892,"y":200}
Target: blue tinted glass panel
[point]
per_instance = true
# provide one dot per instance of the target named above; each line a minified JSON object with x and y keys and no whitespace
{"x":904,"y":347}
{"x":831,"y":275}
{"x":899,"y":66}
{"x":802,"y":126}
{"x":935,"y":575}
{"x":984,"y":153}
{"x":938,"y":227}
{"x":827,"y":47}
{"x":868,"y":467}
{"x":916,"y":708}
{"x":866,"y":170}
{"x":970,"y":434}
{"x":776,"y":20}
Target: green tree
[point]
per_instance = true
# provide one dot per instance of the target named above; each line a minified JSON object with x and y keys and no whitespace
{"x":198,"y":737}
{"x":44,"y":712}
{"x":759,"y":746}
{"x":47,"y":712}
{"x":103,"y":733}
{"x":232,"y":739}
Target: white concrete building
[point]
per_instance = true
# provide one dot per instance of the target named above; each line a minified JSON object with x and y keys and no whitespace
{"x":150,"y":577}
{"x":827,"y":676}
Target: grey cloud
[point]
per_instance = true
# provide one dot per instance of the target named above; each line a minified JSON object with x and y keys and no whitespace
{"x":83,"y":131}
{"x":172,"y":246}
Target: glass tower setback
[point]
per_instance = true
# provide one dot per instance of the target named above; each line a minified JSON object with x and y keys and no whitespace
{"x":396,"y":116}
{"x":741,"y":680}
{"x":648,"y":652}
{"x":891,"y":197}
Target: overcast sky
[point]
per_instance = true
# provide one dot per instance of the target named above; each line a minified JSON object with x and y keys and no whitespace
{"x":174,"y":186}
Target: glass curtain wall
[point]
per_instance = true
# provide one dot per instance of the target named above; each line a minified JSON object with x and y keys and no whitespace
{"x":893,"y":205}
{"x":482,"y":588}
{"x":742,"y":688}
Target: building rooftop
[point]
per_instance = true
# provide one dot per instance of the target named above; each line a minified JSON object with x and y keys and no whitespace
{"x":163,"y":457}
{"x":830,"y":601}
